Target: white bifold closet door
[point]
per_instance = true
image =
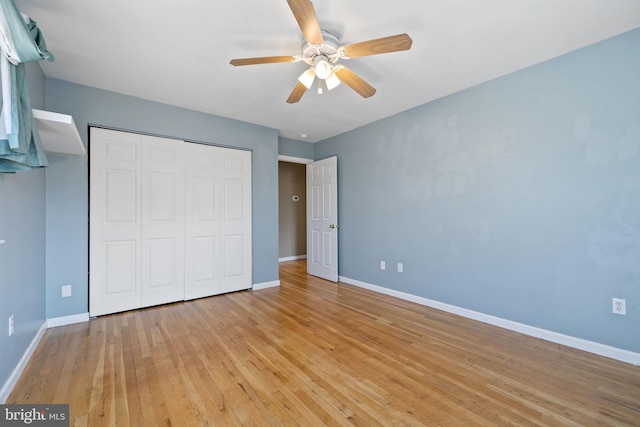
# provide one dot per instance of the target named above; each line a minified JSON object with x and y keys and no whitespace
{"x":169,"y":221}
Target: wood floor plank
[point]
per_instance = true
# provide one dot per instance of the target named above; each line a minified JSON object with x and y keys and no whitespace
{"x":316,"y":353}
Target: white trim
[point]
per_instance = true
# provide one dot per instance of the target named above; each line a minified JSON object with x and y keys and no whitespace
{"x":292,"y":159}
{"x":292,"y":258}
{"x":67,"y":320}
{"x":569,"y":341}
{"x":265,"y":285}
{"x":7,"y":388}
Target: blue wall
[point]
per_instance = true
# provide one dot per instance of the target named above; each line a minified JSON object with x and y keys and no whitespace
{"x":518,"y":198}
{"x":22,"y":257}
{"x":293,"y":148}
{"x":67,"y":202}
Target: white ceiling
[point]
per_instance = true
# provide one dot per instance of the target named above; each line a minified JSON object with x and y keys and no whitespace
{"x":178,"y":51}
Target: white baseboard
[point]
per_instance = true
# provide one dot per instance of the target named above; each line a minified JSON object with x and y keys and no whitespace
{"x":67,"y":320}
{"x":569,"y":341}
{"x":7,"y":388}
{"x":265,"y":285}
{"x":292,"y":258}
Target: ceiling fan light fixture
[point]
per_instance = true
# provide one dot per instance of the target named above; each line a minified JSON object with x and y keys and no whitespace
{"x":307,"y":77}
{"x":322,"y":66}
{"x":332,"y":81}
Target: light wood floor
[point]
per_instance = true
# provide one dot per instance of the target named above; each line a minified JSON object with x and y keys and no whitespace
{"x":312,"y":353}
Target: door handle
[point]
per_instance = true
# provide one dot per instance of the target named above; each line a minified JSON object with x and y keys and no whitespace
{"x":333,"y":226}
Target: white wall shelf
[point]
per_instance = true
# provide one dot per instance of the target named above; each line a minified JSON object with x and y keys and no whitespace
{"x":58,"y":133}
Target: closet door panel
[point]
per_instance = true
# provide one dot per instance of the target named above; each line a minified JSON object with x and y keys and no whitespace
{"x":236,"y":220}
{"x":202,"y":221}
{"x":121,"y":269}
{"x":205,"y":253}
{"x":162,"y":220}
{"x":115,"y":214}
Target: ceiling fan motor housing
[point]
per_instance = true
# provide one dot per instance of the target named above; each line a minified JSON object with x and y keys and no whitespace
{"x":328,"y":49}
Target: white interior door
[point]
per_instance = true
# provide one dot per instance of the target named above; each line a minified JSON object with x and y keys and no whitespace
{"x":162,"y":234}
{"x":115,"y":205}
{"x":322,"y":218}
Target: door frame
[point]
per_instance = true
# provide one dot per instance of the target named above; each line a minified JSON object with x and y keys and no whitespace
{"x":301,"y":161}
{"x":305,"y":161}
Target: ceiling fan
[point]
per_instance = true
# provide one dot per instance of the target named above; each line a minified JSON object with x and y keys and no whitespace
{"x":321,"y":52}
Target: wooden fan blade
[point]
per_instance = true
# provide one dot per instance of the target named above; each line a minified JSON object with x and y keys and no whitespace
{"x":305,"y":14}
{"x":262,"y":60}
{"x":355,"y":82}
{"x":375,"y":47}
{"x":296,"y":93}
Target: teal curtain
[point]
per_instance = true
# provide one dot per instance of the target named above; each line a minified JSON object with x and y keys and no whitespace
{"x":20,"y":41}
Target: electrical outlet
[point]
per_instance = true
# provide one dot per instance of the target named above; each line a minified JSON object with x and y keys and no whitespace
{"x":400,"y":267}
{"x":11,"y":325}
{"x":619,"y":306}
{"x":66,"y":291}
{"x":383,"y":265}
